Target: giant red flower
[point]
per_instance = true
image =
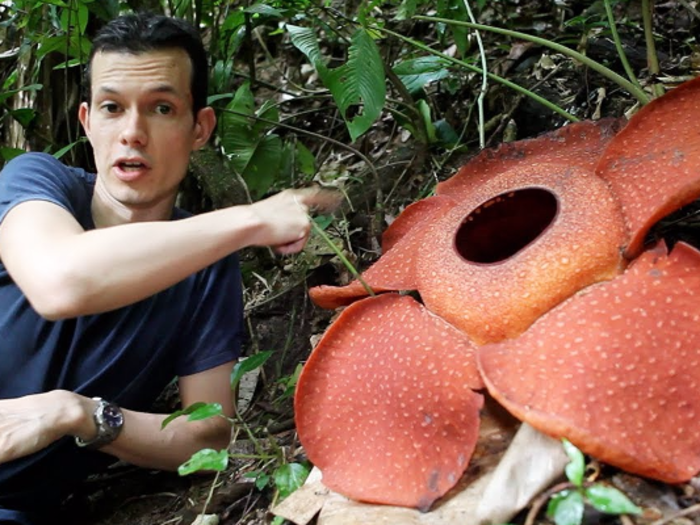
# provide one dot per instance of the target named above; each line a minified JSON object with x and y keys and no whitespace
{"x":535,"y":282}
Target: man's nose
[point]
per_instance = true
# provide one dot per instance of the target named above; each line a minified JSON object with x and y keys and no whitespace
{"x":134,"y":132}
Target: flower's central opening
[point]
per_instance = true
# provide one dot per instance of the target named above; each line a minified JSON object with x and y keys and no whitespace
{"x":504,"y":225}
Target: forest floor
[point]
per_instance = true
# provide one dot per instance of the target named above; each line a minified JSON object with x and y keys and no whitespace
{"x":281,"y":318}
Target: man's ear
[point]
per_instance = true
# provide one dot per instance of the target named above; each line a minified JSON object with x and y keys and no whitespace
{"x":83,"y":114}
{"x":204,"y":127}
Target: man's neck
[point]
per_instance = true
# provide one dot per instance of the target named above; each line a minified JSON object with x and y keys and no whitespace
{"x":106,"y":211}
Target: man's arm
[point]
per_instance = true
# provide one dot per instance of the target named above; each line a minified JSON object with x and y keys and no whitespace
{"x":67,"y":272}
{"x":143,"y":443}
{"x":31,"y":423}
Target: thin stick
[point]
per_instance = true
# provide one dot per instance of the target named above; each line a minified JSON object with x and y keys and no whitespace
{"x":484,"y":79}
{"x":652,"y":58}
{"x":618,"y":45}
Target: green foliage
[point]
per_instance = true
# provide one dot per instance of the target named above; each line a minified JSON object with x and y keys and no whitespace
{"x":567,"y":506}
{"x":205,"y":460}
{"x":359,"y":84}
{"x":290,"y":476}
{"x":248,"y":365}
{"x":195,"y":412}
{"x":255,"y":153}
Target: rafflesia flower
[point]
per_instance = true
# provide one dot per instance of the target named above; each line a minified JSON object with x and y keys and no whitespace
{"x":536,"y":283}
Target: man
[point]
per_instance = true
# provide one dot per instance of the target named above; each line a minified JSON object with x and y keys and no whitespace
{"x":107,"y":291}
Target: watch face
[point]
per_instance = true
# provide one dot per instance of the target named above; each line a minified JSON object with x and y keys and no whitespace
{"x":113,"y":417}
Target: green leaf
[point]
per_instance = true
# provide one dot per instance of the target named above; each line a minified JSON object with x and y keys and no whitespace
{"x":289,"y":477}
{"x":305,"y":160}
{"x":610,"y":500}
{"x":205,"y":459}
{"x":406,"y":10}
{"x":261,"y":171}
{"x":262,"y":478}
{"x":425,"y":112}
{"x":566,"y":508}
{"x":206,"y":411}
{"x":7,"y":94}
{"x":65,"y":149}
{"x":24,"y":116}
{"x":418,"y":72}
{"x":248,"y":365}
{"x":576,"y":467}
{"x":305,"y":40}
{"x":266,"y":10}
{"x":10,"y":153}
{"x":196,"y":411}
{"x":446,"y":134}
{"x":359,"y":82}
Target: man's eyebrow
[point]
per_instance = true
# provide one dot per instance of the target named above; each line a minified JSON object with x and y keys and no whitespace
{"x":160,"y":88}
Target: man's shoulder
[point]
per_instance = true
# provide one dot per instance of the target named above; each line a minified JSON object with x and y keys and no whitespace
{"x":40,"y":164}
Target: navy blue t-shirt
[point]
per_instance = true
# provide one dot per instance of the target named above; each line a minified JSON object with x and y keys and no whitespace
{"x":126,"y":355}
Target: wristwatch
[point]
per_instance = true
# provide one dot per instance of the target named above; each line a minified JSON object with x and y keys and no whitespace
{"x":109,"y":421}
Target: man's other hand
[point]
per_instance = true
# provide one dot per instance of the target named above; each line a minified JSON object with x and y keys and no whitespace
{"x":31,"y":423}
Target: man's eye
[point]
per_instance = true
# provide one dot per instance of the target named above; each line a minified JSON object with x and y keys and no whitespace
{"x":110,"y":107}
{"x":164,"y":109}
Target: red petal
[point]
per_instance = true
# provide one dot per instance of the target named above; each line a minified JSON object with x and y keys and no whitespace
{"x":417,"y":215}
{"x":395,"y":270}
{"x":577,"y":144}
{"x":384,"y":406}
{"x":616,"y":370}
{"x":497,"y":262}
{"x":653,"y":165}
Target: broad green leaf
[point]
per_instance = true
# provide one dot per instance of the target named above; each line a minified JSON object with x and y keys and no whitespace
{"x":248,"y":365}
{"x":306,"y":41}
{"x":184,"y":412}
{"x":305,"y":160}
{"x":24,"y":116}
{"x":360,"y":82}
{"x":418,"y":72}
{"x":576,"y":467}
{"x":205,"y":459}
{"x":266,"y":10}
{"x":261,"y":171}
{"x":610,"y":500}
{"x":289,"y":477}
{"x":455,"y":10}
{"x":446,"y":134}
{"x":10,"y":153}
{"x":205,"y":412}
{"x":566,"y":508}
{"x":406,"y":10}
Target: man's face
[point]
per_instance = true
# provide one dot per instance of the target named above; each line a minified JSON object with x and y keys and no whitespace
{"x":140,"y":124}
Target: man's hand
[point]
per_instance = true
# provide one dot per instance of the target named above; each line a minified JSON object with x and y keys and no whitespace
{"x":31,"y":423}
{"x":285,"y":217}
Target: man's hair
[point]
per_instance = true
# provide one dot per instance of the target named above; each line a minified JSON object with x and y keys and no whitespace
{"x":138,"y":33}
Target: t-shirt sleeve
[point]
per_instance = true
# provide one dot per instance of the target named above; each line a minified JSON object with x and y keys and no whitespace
{"x":37,"y":176}
{"x":215,"y":331}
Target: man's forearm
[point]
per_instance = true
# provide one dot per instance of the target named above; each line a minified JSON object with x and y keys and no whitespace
{"x":143,"y":443}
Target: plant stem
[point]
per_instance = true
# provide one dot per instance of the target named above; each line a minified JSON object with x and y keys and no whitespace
{"x":618,"y":45}
{"x":508,"y":83}
{"x":484,"y":79}
{"x":596,"y":66}
{"x":652,"y":58}
{"x":317,"y":229}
